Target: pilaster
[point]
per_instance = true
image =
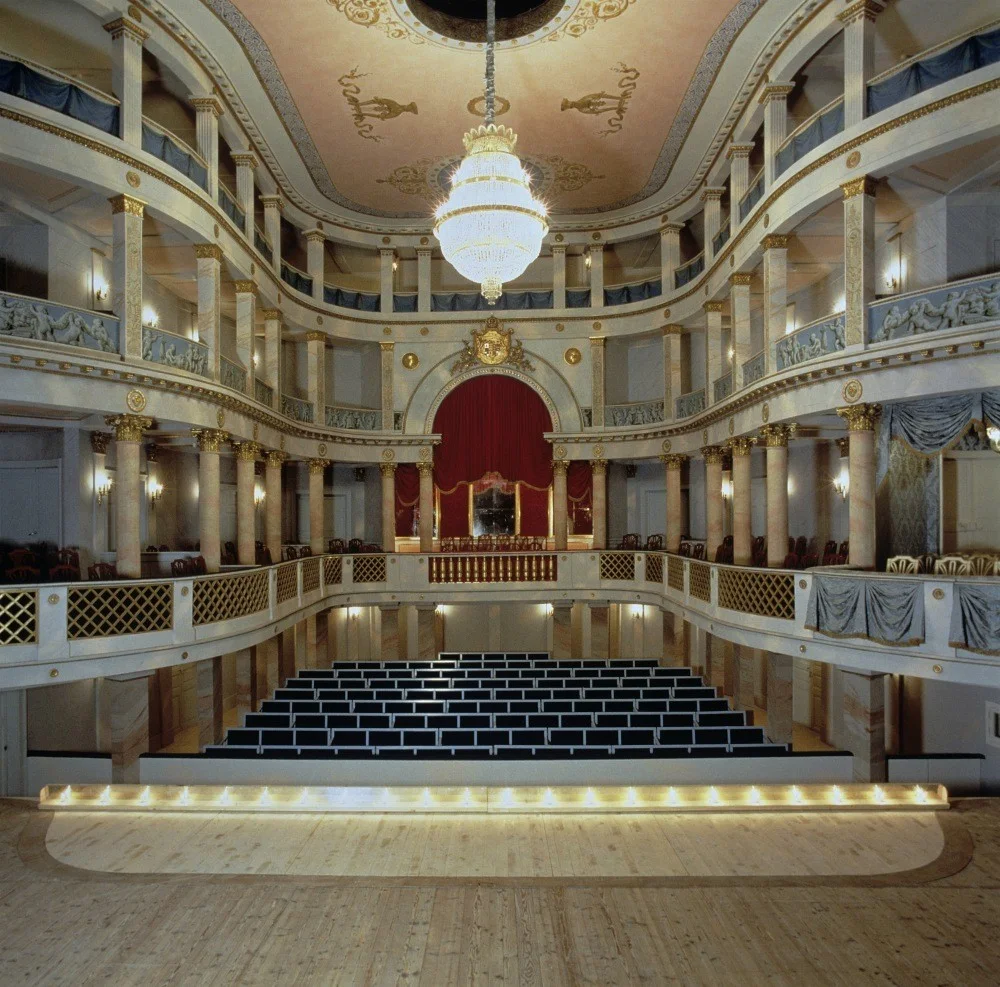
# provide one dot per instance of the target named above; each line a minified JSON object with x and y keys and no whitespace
{"x":388,"y":471}
{"x":859,"y":44}
{"x":673,"y":464}
{"x":272,"y":352}
{"x":712,"y":197}
{"x":672,"y":387}
{"x":316,"y":261}
{"x":387,"y":269}
{"x":596,"y":256}
{"x":558,"y":275}
{"x":776,"y":444}
{"x":209,"y":263}
{"x":129,"y":430}
{"x":426,"y":505}
{"x":597,"y":381}
{"x":247,"y":454}
{"x":423,"y":279}
{"x":208,"y":109}
{"x":126,"y":272}
{"x":126,"y":76}
{"x":739,"y":311}
{"x":713,"y":349}
{"x":775,"y":249}
{"x":273,"y":460}
{"x":739,"y":180}
{"x":246,"y":318}
{"x":317,"y":513}
{"x":713,"y":456}
{"x":859,"y":257}
{"x":774,"y":99}
{"x":388,"y":352}
{"x":742,"y":519}
{"x":272,"y":228}
{"x":316,"y":373}
{"x":670,"y":254}
{"x":861,"y":419}
{"x":599,"y":513}
{"x":210,"y":441}
{"x":559,"y":504}
{"x":246,"y":163}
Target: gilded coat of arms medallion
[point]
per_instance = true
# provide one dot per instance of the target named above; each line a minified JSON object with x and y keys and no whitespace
{"x":491,"y":346}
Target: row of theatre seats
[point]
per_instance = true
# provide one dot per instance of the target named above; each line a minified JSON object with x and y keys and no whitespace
{"x":514,"y":706}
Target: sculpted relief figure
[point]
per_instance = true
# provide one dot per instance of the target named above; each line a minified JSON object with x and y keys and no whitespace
{"x":32,"y":320}
{"x":959,"y":308}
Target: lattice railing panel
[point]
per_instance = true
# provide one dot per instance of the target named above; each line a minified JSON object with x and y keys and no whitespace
{"x":310,"y":574}
{"x":369,"y":568}
{"x":18,"y":616}
{"x":109,"y":611}
{"x":654,"y":568}
{"x":333,"y":570}
{"x":288,"y":581}
{"x":504,"y":567}
{"x":767,"y":594}
{"x":675,"y":572}
{"x":227,"y":597}
{"x":700,"y":581}
{"x":618,"y":565}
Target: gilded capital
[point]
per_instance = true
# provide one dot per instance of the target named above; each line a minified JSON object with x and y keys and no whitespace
{"x":315,"y":337}
{"x":560,"y":466}
{"x":273,"y":201}
{"x":127,"y":204}
{"x":245,"y":287}
{"x":867,"y":9}
{"x":122,"y":26}
{"x":777,"y":436}
{"x":275,"y":457}
{"x":713,"y":306}
{"x":386,"y":347}
{"x":425,"y":468}
{"x":388,"y":469}
{"x":128,"y":428}
{"x":741,"y":279}
{"x":208,"y":251}
{"x":597,"y":342}
{"x":318,"y":465}
{"x":864,"y":185}
{"x":673,"y":330}
{"x":775,"y":241}
{"x":271,"y":314}
{"x":210,"y":439}
{"x":860,"y":417}
{"x":245,"y":159}
{"x":713,"y":454}
{"x":99,"y":442}
{"x":712,"y":193}
{"x":740,"y":150}
{"x":315,"y":236}
{"x":776,"y":91}
{"x":741,"y":445}
{"x":673,"y":460}
{"x":598,"y":467}
{"x":207,"y":104}
{"x":671,"y":228}
{"x":247,"y":451}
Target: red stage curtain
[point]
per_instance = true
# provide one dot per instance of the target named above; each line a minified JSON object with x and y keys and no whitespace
{"x":534,"y":511}
{"x":407,"y":497}
{"x":454,"y":520}
{"x":579,"y":492}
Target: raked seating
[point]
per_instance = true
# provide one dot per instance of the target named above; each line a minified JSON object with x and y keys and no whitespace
{"x":515,"y":706}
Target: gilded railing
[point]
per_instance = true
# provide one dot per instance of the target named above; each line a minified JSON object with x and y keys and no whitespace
{"x":700,"y":581}
{"x":103,"y":610}
{"x":333,"y":570}
{"x":310,"y":574}
{"x":654,"y":567}
{"x":18,"y":616}
{"x":767,"y":594}
{"x":369,"y":569}
{"x":675,"y":573}
{"x":227,"y":597}
{"x":617,"y":565}
{"x":503,"y":567}
{"x":288,"y":581}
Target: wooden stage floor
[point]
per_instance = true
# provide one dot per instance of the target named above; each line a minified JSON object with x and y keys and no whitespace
{"x":122,"y":899}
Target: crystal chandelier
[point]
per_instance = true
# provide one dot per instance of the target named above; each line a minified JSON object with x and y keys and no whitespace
{"x":491,"y":226}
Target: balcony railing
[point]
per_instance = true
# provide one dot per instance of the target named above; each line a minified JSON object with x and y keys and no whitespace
{"x":172,"y":350}
{"x":752,"y":196}
{"x":362,"y":419}
{"x":296,"y":409}
{"x":722,"y":237}
{"x":753,"y":369}
{"x":690,"y":404}
{"x":230,"y":207}
{"x":263,"y":393}
{"x":262,"y":245}
{"x":634,"y":291}
{"x":723,"y":387}
{"x":361,"y":301}
{"x":506,"y":567}
{"x":823,"y":125}
{"x":232,"y":375}
{"x":296,"y":279}
{"x":689,"y":271}
{"x":171,"y":150}
{"x":42,"y":321}
{"x":826,"y":335}
{"x":634,"y":413}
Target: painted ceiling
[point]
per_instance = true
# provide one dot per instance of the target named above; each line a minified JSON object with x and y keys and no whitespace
{"x":377,"y":102}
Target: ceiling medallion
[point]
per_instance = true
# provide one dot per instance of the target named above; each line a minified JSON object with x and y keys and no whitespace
{"x":135,"y":401}
{"x":492,"y":346}
{"x":491,"y":226}
{"x":852,"y":391}
{"x":410,"y":361}
{"x":477,"y":106}
{"x":572,"y":356}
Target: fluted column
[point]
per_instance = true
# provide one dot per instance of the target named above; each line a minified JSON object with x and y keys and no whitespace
{"x":859,"y":44}
{"x":273,"y":460}
{"x":774,"y":99}
{"x":426,"y":505}
{"x":713,"y":456}
{"x":247,"y":454}
{"x":207,"y":110}
{"x":316,"y":261}
{"x":713,"y":349}
{"x":671,"y":370}
{"x":126,"y":272}
{"x":670,"y":255}
{"x":775,"y":295}
{"x":387,"y":269}
{"x":317,"y":516}
{"x":712,"y":197}
{"x":861,"y":419}
{"x":859,"y":257}
{"x":246,"y":317}
{"x":673,"y":464}
{"x":129,"y":430}
{"x":596,"y":256}
{"x":742,"y":520}
{"x":599,"y":508}
{"x":272,"y":352}
{"x":209,"y":442}
{"x":126,"y":76}
{"x":316,"y":374}
{"x":209,"y":264}
{"x":423,"y":279}
{"x":559,"y":275}
{"x":559,"y":504}
{"x":272,"y":228}
{"x":776,"y":445}
{"x":739,"y":180}
{"x":739,"y":311}
{"x":597,"y":384}
{"x":388,"y":506}
{"x":388,"y":354}
{"x":246,"y":163}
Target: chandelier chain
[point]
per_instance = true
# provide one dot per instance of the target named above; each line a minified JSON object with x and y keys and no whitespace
{"x":491,"y":36}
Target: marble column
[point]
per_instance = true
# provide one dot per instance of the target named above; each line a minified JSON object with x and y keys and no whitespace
{"x":273,"y":460}
{"x":739,"y":181}
{"x":672,"y":386}
{"x":714,"y":524}
{"x":243,"y":661}
{"x":388,"y":506}
{"x":259,"y":662}
{"x":387,"y":270}
{"x":559,"y":275}
{"x":210,"y":727}
{"x":272,"y":353}
{"x":316,"y":261}
{"x":247,"y":454}
{"x":390,"y":632}
{"x":316,"y":374}
{"x":559,"y":503}
{"x":129,"y":430}
{"x":863,"y":723}
{"x":600,"y":630}
{"x":774,"y":99}
{"x":779,"y":698}
{"x":317,"y":514}
{"x":859,"y":257}
{"x":861,"y":419}
{"x":423,"y":279}
{"x":246,"y":164}
{"x":426,"y":505}
{"x":425,"y":632}
{"x":207,"y":110}
{"x":388,"y":355}
{"x":595,"y":255}
{"x":126,"y":272}
{"x":599,"y":501}
{"x":859,"y":45}
{"x":209,"y":442}
{"x":246,"y":319}
{"x":739,"y":310}
{"x":562,"y":629}
{"x":670,"y":255}
{"x":776,"y":445}
{"x":310,"y":627}
{"x":746,"y":676}
{"x":126,"y":76}
{"x":597,"y":385}
{"x":209,"y":263}
{"x":673,"y":463}
{"x":124,"y":723}
{"x":272,"y":228}
{"x":742,"y":532}
{"x":322,"y":639}
{"x":712,"y":197}
{"x":287,"y":658}
{"x":775,"y":249}
{"x":714,"y":361}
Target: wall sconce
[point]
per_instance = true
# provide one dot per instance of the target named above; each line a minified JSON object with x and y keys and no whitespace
{"x":727,"y":485}
{"x":102,"y":486}
{"x":256,"y":360}
{"x":439,"y":608}
{"x":395,"y":266}
{"x":840,"y":305}
{"x":549,"y":609}
{"x":730,"y":353}
{"x":101,"y":289}
{"x":155,"y":490}
{"x":258,"y":495}
{"x":149,"y":317}
{"x":842,"y":481}
{"x":891,"y":282}
{"x":993,"y":434}
{"x":587,"y":261}
{"x":354,"y":612}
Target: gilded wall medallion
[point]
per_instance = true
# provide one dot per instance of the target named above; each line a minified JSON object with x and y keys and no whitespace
{"x":132,"y":177}
{"x":852,"y":391}
{"x":666,"y":445}
{"x":492,"y":346}
{"x":853,"y":159}
{"x":220,"y":418}
{"x":410,"y":361}
{"x":765,"y":413}
{"x":572,"y":356}
{"x":135,"y":401}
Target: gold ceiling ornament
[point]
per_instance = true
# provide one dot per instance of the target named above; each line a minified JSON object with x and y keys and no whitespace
{"x":492,"y":346}
{"x":411,"y":179}
{"x":852,"y":391}
{"x":377,"y":14}
{"x":363,"y":111}
{"x":410,"y":361}
{"x":614,"y":105}
{"x":477,"y":106}
{"x":135,"y":400}
{"x":572,"y":356}
{"x":590,"y":13}
{"x":567,"y":176}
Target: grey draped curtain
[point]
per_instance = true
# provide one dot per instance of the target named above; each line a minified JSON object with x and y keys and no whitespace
{"x":975,"y":618}
{"x":888,"y":611}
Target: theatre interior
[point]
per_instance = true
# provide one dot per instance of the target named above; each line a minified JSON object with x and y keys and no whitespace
{"x":499,"y":490}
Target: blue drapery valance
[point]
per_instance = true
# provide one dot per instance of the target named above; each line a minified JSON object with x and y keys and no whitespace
{"x":888,"y":611}
{"x":753,"y":196}
{"x":967,"y":56}
{"x":825,"y":126}
{"x":404,"y":303}
{"x":360,"y":300}
{"x":229,"y":206}
{"x":577,"y":298}
{"x":690,"y":271}
{"x":17,"y":79}
{"x":625,"y":293}
{"x":162,"y":147}
{"x":468,"y":301}
{"x":298,"y":280}
{"x":975,"y":618}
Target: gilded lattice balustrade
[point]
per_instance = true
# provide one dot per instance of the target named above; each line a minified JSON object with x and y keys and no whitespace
{"x":654,"y":568}
{"x":675,"y":572}
{"x":288,"y":582}
{"x":369,"y":568}
{"x":767,"y":594}
{"x":227,"y":597}
{"x":310,"y":574}
{"x":333,"y":569}
{"x":486,"y":568}
{"x":109,"y":611}
{"x":18,"y":616}
{"x":700,"y":581}
{"x":618,"y":565}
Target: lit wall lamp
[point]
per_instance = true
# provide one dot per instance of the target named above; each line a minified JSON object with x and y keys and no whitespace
{"x":588,"y":261}
{"x":727,"y":485}
{"x":149,"y":317}
{"x":354,"y":612}
{"x":155,"y":490}
{"x":395,"y":266}
{"x":730,"y":353}
{"x":842,"y":481}
{"x":549,"y":609}
{"x":102,"y":486}
{"x":993,"y":434}
{"x":256,"y":360}
{"x":101,"y":289}
{"x":258,"y":495}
